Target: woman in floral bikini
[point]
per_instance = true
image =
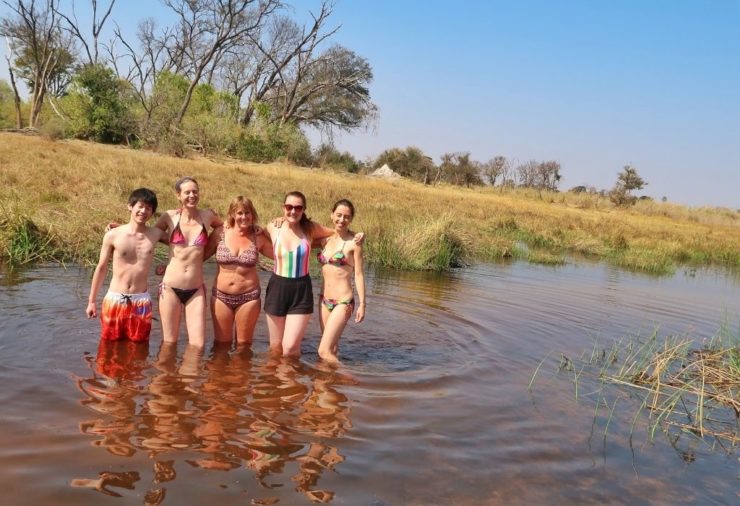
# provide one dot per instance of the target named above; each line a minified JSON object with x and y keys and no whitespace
{"x":341,"y":261}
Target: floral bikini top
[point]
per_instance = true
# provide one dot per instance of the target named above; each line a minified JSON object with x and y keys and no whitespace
{"x":247,"y":258}
{"x":178,"y":238}
{"x":338,"y":258}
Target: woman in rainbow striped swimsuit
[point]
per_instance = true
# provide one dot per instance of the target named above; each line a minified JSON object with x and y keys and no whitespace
{"x":289,"y":295}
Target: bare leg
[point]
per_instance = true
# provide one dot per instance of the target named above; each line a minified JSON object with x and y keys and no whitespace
{"x":295,"y":328}
{"x":323,"y":314}
{"x":276,"y":328}
{"x":195,"y":318}
{"x":246,"y":319}
{"x":170,"y":311}
{"x":223,"y":321}
{"x":335,"y":322}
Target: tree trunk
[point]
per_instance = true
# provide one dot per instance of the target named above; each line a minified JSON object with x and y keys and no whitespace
{"x":16,"y":98}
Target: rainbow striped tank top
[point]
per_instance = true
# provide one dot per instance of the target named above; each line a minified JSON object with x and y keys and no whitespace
{"x":291,"y":263}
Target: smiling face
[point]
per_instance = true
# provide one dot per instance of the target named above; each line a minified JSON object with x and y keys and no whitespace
{"x":140,"y":212}
{"x":243,"y":217}
{"x":293,"y":208}
{"x":341,"y":217}
{"x":189,"y":194}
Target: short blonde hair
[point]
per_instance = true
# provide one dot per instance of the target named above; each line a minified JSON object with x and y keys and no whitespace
{"x":240,"y":203}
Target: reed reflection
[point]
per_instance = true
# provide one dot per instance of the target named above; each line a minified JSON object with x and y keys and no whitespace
{"x":275,"y":416}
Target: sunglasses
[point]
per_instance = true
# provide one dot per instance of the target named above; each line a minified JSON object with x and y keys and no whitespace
{"x":289,"y":208}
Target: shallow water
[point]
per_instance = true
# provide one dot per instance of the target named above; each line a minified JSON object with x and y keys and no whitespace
{"x":430,"y":406}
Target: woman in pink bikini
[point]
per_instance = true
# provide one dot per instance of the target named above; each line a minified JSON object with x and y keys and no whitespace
{"x":182,"y":289}
{"x":341,"y":262}
{"x":235,"y":301}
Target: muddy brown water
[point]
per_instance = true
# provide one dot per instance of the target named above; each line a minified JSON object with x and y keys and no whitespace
{"x":430,"y":405}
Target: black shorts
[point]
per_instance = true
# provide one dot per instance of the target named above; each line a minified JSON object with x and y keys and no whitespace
{"x":286,"y":296}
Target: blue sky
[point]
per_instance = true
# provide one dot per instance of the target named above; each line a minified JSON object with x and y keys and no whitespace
{"x":593,"y":84}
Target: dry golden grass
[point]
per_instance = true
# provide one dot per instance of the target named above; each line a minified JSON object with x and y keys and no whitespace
{"x":70,"y":189}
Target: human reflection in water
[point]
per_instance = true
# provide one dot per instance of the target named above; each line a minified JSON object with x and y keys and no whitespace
{"x":275,"y":416}
{"x":325,"y":413}
{"x":222,"y":400}
{"x":112,"y":392}
{"x":173,"y":395}
{"x":118,"y":379}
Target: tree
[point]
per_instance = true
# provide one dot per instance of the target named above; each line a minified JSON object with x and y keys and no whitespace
{"x":208,"y":28}
{"x":285,"y":47}
{"x":494,"y":168}
{"x":42,"y":54}
{"x":330,"y":91}
{"x":458,"y":169}
{"x":539,"y":175}
{"x":100,"y":105}
{"x":627,"y":181}
{"x":16,"y":95}
{"x":410,"y":162}
{"x":72,"y":26}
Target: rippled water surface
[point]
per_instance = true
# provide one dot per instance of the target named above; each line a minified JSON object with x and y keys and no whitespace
{"x":430,"y":406}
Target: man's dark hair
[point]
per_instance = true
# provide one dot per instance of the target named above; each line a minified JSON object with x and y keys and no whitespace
{"x":144,"y":195}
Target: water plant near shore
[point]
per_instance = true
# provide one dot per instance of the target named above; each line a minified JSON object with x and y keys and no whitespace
{"x":22,"y":241}
{"x":685,"y":387}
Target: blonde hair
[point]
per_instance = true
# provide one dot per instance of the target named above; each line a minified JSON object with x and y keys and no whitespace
{"x":240,"y":203}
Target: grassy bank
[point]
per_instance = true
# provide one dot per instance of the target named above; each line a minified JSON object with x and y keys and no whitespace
{"x":57,"y":197}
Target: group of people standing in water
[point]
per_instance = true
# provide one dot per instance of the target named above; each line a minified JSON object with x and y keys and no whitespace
{"x":194,"y":235}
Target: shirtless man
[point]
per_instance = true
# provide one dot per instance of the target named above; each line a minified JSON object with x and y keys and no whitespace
{"x":127,"y":307}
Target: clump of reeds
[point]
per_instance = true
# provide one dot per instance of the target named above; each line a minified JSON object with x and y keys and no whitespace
{"x":22,"y":241}
{"x":432,"y":244}
{"x":684,"y":386}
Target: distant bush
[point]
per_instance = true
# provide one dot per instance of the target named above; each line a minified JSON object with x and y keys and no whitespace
{"x":273,"y":142}
{"x":328,"y":157}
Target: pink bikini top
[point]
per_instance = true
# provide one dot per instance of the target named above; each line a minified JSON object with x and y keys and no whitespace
{"x":247,"y":258}
{"x":178,"y":238}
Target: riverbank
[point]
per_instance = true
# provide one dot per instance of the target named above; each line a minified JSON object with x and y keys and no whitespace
{"x":58,"y":195}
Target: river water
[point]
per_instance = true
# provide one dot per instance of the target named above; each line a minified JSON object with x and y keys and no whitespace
{"x":430,"y":406}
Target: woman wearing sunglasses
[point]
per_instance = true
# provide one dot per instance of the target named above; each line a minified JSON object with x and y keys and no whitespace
{"x":289,"y":295}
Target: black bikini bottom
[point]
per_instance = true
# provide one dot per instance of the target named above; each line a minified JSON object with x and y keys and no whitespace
{"x":183,"y":295}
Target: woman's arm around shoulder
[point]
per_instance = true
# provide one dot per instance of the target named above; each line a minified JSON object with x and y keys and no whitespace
{"x":164,"y":221}
{"x":213,"y":239}
{"x":264,"y":244}
{"x":212,"y":219}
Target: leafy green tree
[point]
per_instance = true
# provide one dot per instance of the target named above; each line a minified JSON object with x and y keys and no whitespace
{"x":7,"y":108}
{"x":627,"y":181}
{"x":99,"y":105}
{"x":410,"y":162}
{"x":329,"y":157}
